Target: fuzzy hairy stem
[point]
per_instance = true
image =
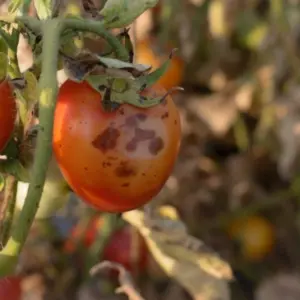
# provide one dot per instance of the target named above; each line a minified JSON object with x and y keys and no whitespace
{"x":97,"y":28}
{"x":48,"y":90}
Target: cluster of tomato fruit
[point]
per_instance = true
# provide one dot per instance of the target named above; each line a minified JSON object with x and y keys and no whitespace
{"x":115,"y":161}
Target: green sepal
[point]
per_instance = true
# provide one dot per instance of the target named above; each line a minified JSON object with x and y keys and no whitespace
{"x":151,"y":78}
{"x":117,"y":91}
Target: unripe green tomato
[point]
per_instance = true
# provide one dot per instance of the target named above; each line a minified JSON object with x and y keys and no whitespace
{"x":55,"y":195}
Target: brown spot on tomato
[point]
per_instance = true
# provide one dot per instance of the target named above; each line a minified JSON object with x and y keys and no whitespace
{"x":131,"y":121}
{"x":122,"y":112}
{"x":165,"y":115}
{"x":144,"y":134}
{"x":106,"y":164}
{"x":141,"y":117}
{"x":112,"y":158}
{"x":126,"y":184}
{"x":143,"y":174}
{"x":125,"y":170}
{"x":156,"y":145}
{"x":107,"y":140}
{"x":175,"y":122}
{"x":131,"y":146}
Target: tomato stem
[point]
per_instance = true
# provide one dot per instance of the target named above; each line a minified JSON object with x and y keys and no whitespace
{"x":99,"y":29}
{"x":108,"y":227}
{"x":48,"y":90}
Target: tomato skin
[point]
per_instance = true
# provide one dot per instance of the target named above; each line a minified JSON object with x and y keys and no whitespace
{"x":8,"y":112}
{"x":145,"y":54}
{"x":256,"y":236}
{"x":10,"y":288}
{"x":118,"y":250}
{"x":114,"y":161}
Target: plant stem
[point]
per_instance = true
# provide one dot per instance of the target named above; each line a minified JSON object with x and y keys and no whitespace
{"x":108,"y":226}
{"x":48,"y":90}
{"x":99,"y":29}
{"x":8,"y":208}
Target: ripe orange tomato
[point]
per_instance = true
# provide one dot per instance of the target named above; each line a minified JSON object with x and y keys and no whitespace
{"x":146,"y":54}
{"x":8,"y":111}
{"x":255,"y":235}
{"x":114,"y":161}
{"x":10,"y":288}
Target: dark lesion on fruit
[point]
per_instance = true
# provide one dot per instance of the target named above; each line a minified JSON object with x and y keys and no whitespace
{"x":106,"y":164}
{"x":107,"y":140}
{"x":133,"y":121}
{"x":141,"y":135}
{"x":156,"y":145}
{"x":124,"y":169}
{"x":165,"y":115}
{"x":126,"y":184}
{"x":131,"y":145}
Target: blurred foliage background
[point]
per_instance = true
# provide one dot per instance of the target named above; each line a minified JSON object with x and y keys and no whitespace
{"x":236,"y":184}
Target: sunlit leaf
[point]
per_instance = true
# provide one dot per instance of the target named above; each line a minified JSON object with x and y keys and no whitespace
{"x":44,"y":8}
{"x":121,"y":13}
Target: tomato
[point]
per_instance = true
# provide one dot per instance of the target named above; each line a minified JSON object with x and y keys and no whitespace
{"x":146,"y":54}
{"x":88,"y":236}
{"x":10,"y":288}
{"x":118,"y":248}
{"x":8,"y":112}
{"x":114,"y":161}
{"x":255,"y":235}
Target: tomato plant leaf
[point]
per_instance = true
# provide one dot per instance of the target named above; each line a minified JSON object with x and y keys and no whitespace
{"x":3,"y":65}
{"x":44,"y":8}
{"x":128,"y":44}
{"x":15,"y":168}
{"x":151,"y":78}
{"x":14,"y":5}
{"x":121,"y":13}
{"x":81,"y":66}
{"x":135,"y":69}
{"x":77,"y":70}
{"x":183,"y":257}
{"x":8,"y":39}
{"x":19,"y":5}
{"x":30,"y":91}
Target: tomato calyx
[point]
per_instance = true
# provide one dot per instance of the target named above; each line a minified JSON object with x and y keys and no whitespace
{"x":117,"y":81}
